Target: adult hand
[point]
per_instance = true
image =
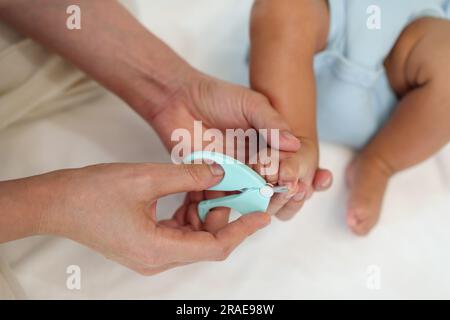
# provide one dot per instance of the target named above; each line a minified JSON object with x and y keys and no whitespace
{"x":116,"y":50}
{"x":222,"y":105}
{"x":218,"y":105}
{"x":112,"y":209}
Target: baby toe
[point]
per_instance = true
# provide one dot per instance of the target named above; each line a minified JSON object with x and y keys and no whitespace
{"x":361,"y":221}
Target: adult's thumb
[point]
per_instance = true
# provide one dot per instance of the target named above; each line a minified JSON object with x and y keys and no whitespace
{"x":171,"y":178}
{"x":263,"y":116}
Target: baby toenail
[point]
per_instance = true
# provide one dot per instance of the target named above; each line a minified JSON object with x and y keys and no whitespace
{"x":352,"y":221}
{"x":326,"y":183}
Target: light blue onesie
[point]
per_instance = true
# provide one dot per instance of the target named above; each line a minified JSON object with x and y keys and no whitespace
{"x":353,"y":93}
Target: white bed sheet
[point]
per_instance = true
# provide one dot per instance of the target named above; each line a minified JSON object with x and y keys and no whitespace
{"x":313,"y":256}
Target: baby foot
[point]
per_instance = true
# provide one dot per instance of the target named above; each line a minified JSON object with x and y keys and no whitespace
{"x":367,"y":179}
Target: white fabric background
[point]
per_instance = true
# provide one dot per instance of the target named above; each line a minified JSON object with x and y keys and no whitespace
{"x":313,"y":256}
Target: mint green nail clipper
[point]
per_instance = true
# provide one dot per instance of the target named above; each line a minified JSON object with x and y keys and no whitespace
{"x":255,"y":192}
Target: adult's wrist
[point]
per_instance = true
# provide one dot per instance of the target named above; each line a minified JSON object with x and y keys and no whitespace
{"x":157,"y":86}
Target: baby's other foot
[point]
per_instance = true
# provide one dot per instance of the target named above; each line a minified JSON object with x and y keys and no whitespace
{"x":367,"y":178}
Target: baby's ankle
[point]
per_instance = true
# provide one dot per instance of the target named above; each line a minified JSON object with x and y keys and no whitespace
{"x":377,"y":162}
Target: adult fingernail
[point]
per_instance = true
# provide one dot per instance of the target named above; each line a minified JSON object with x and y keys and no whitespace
{"x":300,"y":196}
{"x":217,"y":170}
{"x":289,"y":136}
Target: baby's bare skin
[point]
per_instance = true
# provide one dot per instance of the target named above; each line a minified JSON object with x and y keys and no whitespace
{"x":286,"y":34}
{"x":419,"y":72}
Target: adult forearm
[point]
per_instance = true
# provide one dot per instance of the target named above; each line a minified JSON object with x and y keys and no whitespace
{"x":111,"y":46}
{"x":22,"y":205}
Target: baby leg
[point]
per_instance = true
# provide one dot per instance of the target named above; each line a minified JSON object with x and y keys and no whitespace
{"x":418,"y":69}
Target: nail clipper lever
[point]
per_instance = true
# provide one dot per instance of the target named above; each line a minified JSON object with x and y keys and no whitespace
{"x":255,"y":192}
